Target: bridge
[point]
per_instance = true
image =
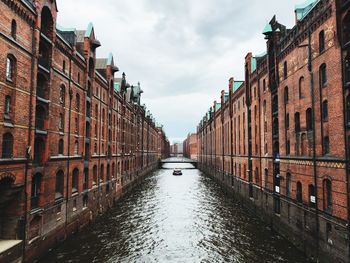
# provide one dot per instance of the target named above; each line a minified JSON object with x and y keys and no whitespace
{"x":178,"y":160}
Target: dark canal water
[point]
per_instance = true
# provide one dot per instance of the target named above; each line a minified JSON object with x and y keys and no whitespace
{"x":177,"y":219}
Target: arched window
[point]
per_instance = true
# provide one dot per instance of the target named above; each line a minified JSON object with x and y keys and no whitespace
{"x":64,"y":66}
{"x":10,"y":68}
{"x":94,"y":175}
{"x":102,"y":174}
{"x":59,"y":185}
{"x":76,"y":125}
{"x":309,"y":125}
{"x":299,"y":195}
{"x":321,"y":42}
{"x":325,"y":110}
{"x":301,"y":88}
{"x":61,"y":122}
{"x":7,"y":109}
{"x":323,"y":75}
{"x":35,"y":193}
{"x":325,"y":145}
{"x":76,"y":148}
{"x":62,"y":94}
{"x":266,"y":178}
{"x":14,"y":29}
{"x":7,"y":146}
{"x":312,"y":195}
{"x":95,"y":148}
{"x":287,"y":121}
{"x":47,"y":22}
{"x":285,"y":70}
{"x":75,"y":180}
{"x":288,"y":184}
{"x":288,"y":147}
{"x":78,"y":78}
{"x":264,"y":85}
{"x":257,"y":180}
{"x":327,"y":195}
{"x":286,"y":96}
{"x":60,"y":147}
{"x":77,"y":102}
{"x":347,"y":67}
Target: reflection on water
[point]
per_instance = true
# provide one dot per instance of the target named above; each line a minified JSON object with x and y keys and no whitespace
{"x":177,"y":219}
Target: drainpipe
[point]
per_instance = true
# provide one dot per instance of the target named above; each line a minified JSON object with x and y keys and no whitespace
{"x":313,"y":134}
{"x":69,"y":134}
{"x":29,"y":143}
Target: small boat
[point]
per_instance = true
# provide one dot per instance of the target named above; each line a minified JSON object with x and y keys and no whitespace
{"x":177,"y":172}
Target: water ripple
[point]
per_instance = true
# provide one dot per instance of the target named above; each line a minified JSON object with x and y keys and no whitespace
{"x":177,"y":219}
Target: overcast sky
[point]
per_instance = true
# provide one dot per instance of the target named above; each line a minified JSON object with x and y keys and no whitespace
{"x":182,"y":51}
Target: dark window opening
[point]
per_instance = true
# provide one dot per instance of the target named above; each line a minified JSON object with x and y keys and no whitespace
{"x":286,"y":96}
{"x":39,"y":148}
{"x":347,"y":67}
{"x":7,"y":110}
{"x":287,"y":121}
{"x":285,"y":70}
{"x":35,"y":193}
{"x":7,"y":146}
{"x":75,"y":179}
{"x":325,"y":110}
{"x":14,"y":29}
{"x":40,"y":117}
{"x":321,"y":41}
{"x":327,"y":195}
{"x":309,"y":125}
{"x":323,"y":75}
{"x":301,"y":88}
{"x":60,"y":147}
{"x":288,"y":185}
{"x":325,"y":145}
{"x":299,"y":194}
{"x":59,"y":185}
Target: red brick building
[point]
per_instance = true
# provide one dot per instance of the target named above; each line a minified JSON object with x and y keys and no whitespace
{"x":190,"y":147}
{"x":280,"y":138}
{"x":73,"y":136}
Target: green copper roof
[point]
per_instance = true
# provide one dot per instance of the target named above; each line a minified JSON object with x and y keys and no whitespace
{"x":261,"y":55}
{"x":89,"y":30}
{"x":226,"y":96}
{"x":218,"y":106}
{"x":267,"y":28}
{"x":236,"y":85}
{"x":253,"y":64}
{"x":303,"y":9}
{"x":110,"y":59}
{"x":116,"y":86}
{"x":65,"y":29}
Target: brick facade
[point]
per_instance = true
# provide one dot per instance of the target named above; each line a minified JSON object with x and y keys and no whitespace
{"x":286,"y":135}
{"x":74,"y":137}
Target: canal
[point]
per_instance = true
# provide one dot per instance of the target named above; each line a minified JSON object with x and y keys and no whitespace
{"x":170,"y":218}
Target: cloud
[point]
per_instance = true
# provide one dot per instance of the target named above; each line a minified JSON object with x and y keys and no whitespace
{"x":182,"y":52}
